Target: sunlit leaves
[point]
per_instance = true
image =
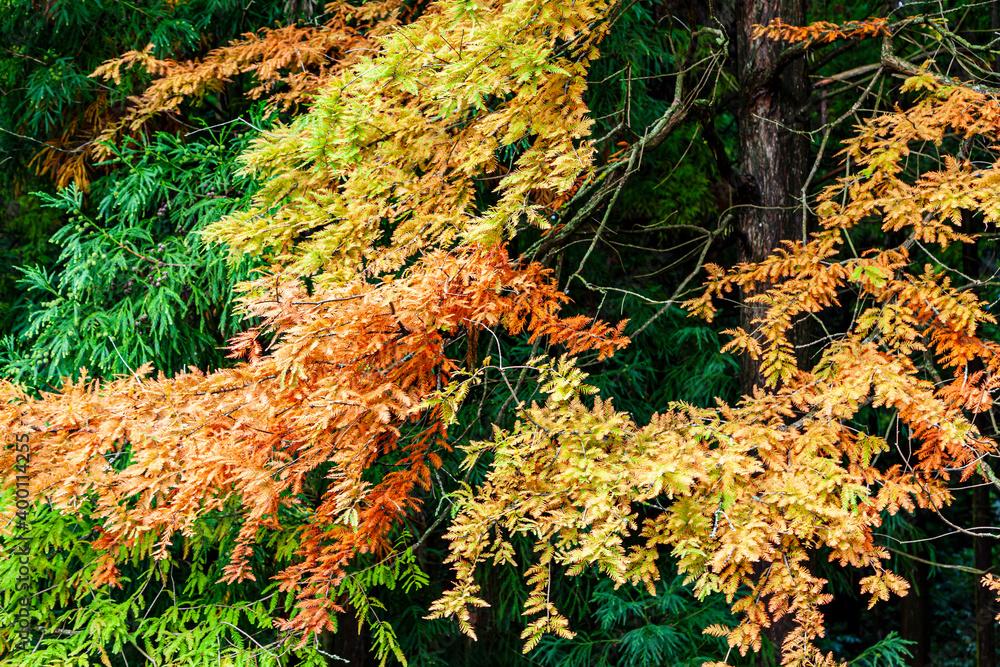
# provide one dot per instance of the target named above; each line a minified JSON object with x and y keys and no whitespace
{"x":397,"y":141}
{"x":745,"y":493}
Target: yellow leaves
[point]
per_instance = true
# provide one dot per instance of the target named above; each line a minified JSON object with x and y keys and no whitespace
{"x":398,"y":141}
{"x":452,"y":603}
{"x":742,"y":341}
{"x":923,"y":81}
{"x":814,"y":470}
{"x":870,"y":445}
{"x":450,"y":399}
{"x":880,"y":585}
{"x":740,"y":494}
{"x":554,"y":623}
{"x":778,"y":364}
{"x":716,"y":630}
{"x":749,"y":491}
{"x":562,"y":381}
{"x":565,"y":473}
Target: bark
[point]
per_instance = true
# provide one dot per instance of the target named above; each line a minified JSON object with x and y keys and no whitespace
{"x":914,"y":622}
{"x":773,"y":162}
{"x":773,"y":152}
{"x":982,"y":548}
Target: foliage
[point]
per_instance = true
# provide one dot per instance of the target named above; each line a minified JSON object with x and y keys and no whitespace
{"x":779,"y":474}
{"x":823,"y":31}
{"x":152,"y":617}
{"x":135,"y":282}
{"x":343,"y":397}
{"x":398,"y":141}
{"x":52,"y":111}
{"x":288,"y":64}
{"x":890,"y":651}
{"x":300,"y":475}
{"x":639,"y":629}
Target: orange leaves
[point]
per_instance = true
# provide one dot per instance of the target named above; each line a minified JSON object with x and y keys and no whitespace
{"x":991,"y":582}
{"x":106,"y":573}
{"x":743,"y":342}
{"x":577,"y":336}
{"x":346,"y":383}
{"x":879,"y":586}
{"x":288,"y":63}
{"x":930,"y":205}
{"x":822,"y":32}
{"x":908,"y":329}
{"x":803,"y":281}
{"x":245,"y":346}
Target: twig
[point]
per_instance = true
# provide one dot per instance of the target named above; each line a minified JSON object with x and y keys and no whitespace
{"x":960,"y":568}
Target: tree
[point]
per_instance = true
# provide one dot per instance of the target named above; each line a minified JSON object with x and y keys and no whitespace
{"x":166,"y":168}
{"x":387,"y":262}
{"x":406,"y":401}
{"x":773,"y":147}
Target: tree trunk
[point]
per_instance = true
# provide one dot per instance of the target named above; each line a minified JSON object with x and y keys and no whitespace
{"x":982,"y":548}
{"x":773,"y":152}
{"x":914,"y":615}
{"x":773,"y":162}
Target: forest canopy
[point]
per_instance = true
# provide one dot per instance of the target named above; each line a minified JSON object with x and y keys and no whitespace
{"x":445,"y":332}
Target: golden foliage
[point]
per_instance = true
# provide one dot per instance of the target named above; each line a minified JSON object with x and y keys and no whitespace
{"x":754,"y":489}
{"x":357,"y":372}
{"x":397,"y":142}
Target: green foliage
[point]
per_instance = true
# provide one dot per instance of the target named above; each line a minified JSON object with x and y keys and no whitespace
{"x":889,"y":652}
{"x":167,"y":612}
{"x":677,"y":358}
{"x":631,"y":628}
{"x":25,"y":228}
{"x":398,"y":569}
{"x":635,"y":58}
{"x":679,"y":185}
{"x":51,"y":50}
{"x":135,"y":282}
